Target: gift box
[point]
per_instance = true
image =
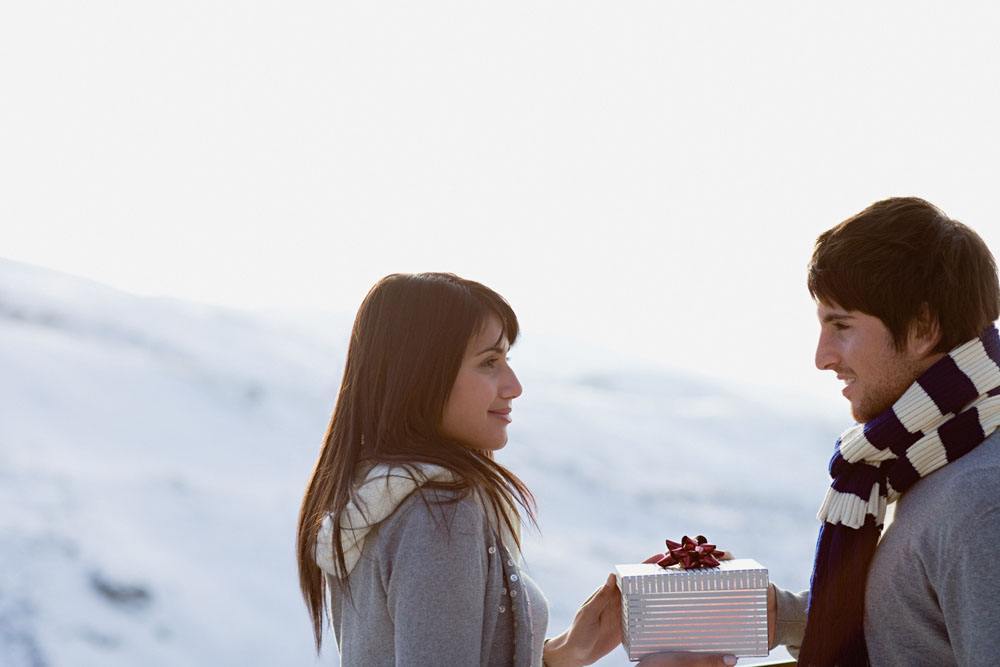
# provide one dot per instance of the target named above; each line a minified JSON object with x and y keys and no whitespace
{"x":719,"y":609}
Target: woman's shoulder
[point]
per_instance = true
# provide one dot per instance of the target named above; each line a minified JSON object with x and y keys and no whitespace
{"x":431,"y":515}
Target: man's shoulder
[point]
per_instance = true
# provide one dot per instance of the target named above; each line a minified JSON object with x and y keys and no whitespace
{"x":977,"y":473}
{"x":963,"y":490}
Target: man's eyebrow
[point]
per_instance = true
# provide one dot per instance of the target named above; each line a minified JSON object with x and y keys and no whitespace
{"x":836,"y":317}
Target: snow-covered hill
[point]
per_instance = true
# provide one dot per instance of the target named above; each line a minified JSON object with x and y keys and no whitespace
{"x":153,"y":454}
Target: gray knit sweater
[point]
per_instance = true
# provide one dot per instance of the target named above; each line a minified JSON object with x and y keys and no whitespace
{"x":933,"y":591}
{"x":435,"y":586}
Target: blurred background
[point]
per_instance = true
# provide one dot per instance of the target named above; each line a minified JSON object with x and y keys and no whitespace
{"x":195,"y":197}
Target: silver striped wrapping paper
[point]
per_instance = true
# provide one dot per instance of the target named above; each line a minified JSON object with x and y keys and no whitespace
{"x":711,"y":610}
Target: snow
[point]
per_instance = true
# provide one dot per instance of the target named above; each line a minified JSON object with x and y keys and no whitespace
{"x":153,"y":454}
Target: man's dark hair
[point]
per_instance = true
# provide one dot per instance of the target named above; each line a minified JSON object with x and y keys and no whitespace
{"x":901,"y":255}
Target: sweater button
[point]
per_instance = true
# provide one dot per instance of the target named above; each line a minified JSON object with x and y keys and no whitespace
{"x":492,"y":550}
{"x":502,"y":609}
{"x":513,"y":577}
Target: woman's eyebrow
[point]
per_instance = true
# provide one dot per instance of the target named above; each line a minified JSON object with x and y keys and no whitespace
{"x":494,"y":348}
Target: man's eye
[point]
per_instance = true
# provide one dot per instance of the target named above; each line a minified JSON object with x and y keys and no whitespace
{"x":840,"y":326}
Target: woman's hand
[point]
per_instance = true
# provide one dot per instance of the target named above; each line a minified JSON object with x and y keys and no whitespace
{"x":595,"y":631}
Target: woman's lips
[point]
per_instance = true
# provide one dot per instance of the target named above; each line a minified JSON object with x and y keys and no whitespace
{"x":502,"y":414}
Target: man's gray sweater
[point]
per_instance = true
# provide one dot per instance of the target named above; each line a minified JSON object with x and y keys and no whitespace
{"x":933,"y":591}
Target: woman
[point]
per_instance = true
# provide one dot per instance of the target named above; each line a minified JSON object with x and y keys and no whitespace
{"x":408,"y":535}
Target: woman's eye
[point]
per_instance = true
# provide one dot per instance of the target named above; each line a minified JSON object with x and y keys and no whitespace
{"x":490,"y":363}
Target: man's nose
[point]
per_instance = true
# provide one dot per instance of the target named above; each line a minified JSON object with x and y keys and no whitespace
{"x":826,"y":355}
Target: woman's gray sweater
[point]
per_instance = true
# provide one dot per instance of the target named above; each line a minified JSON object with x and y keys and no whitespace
{"x":436,"y":586}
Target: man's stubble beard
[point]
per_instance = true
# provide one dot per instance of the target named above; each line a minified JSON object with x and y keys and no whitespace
{"x":898,"y":378}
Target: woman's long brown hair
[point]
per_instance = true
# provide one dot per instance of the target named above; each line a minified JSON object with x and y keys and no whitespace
{"x":407,"y":345}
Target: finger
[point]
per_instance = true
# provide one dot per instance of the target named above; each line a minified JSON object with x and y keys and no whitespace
{"x":592,"y":597}
{"x":606,"y":591}
{"x":687,"y":660}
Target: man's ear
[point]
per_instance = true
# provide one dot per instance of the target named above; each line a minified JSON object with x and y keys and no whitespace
{"x":924,"y":333}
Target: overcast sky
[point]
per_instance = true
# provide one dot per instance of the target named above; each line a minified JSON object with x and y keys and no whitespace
{"x":646,"y":177}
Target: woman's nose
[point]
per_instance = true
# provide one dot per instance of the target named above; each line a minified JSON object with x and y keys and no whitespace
{"x":512,"y":387}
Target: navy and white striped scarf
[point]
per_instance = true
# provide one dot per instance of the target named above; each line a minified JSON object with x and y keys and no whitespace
{"x":946,"y":413}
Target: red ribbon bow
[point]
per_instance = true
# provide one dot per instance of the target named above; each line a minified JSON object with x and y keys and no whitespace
{"x":689,"y":554}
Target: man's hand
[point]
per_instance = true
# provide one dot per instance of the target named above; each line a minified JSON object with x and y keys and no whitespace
{"x":687,"y":660}
{"x":772,"y":615}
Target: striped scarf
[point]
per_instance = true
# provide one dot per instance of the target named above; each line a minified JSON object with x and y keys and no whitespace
{"x":943,"y":415}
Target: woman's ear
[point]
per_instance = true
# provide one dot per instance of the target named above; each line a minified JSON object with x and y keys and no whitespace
{"x":924,"y":333}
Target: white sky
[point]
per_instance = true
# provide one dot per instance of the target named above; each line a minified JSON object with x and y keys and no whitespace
{"x":643,"y":176}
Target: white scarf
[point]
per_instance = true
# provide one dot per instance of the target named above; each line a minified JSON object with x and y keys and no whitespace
{"x":375,"y":498}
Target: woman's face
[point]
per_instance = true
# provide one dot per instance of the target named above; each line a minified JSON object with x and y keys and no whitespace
{"x":478,"y":410}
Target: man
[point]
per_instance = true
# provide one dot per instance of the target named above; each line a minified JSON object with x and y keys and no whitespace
{"x":906,"y":299}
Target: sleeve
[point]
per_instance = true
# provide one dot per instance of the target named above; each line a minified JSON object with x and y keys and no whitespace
{"x":969,"y":590}
{"x":436,"y":585}
{"x":790,"y":622}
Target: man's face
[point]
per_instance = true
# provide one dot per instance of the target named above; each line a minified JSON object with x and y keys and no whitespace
{"x":859,"y":349}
